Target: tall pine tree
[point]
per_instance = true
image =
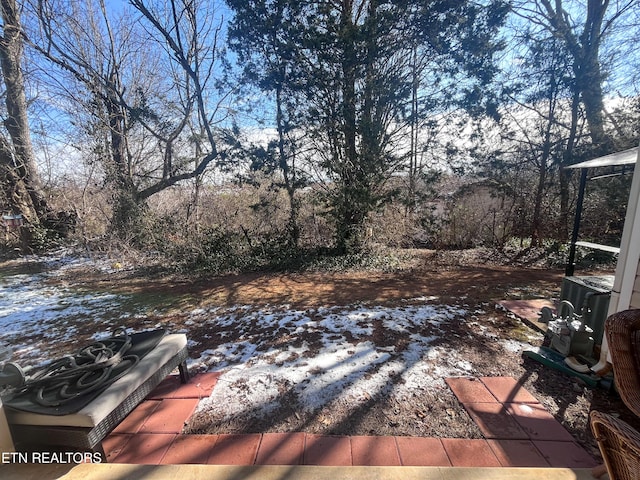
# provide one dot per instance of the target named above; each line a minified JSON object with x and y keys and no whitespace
{"x":349,"y":66}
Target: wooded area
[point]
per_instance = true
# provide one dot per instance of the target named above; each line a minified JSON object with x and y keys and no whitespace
{"x":248,"y":132}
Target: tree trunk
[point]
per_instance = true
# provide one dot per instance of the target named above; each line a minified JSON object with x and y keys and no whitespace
{"x":413,"y":148}
{"x":15,"y":193}
{"x":289,"y":177}
{"x":18,"y":160}
{"x":589,"y":75}
{"x":349,"y":216}
{"x":564,"y":174}
{"x":585,"y":52}
{"x":589,"y":83}
{"x":128,"y":204}
{"x":536,"y":221}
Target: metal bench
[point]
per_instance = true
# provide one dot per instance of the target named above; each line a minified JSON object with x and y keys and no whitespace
{"x":85,"y":429}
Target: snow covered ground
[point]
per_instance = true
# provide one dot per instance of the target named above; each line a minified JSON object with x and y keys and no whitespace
{"x":326,"y":355}
{"x":321,"y":356}
{"x":34,"y":307}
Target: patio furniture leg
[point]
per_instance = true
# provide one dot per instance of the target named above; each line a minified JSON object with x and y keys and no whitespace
{"x":184,"y":372}
{"x":98,"y":448}
{"x":599,"y":471}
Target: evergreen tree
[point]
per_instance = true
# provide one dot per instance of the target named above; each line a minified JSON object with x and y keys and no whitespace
{"x":349,"y":67}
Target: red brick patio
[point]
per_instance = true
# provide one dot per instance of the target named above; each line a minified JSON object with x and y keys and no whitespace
{"x":518,"y":432}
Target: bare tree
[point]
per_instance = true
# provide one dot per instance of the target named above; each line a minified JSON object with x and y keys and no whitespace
{"x":149,"y":82}
{"x":19,"y":173}
{"x":190,"y":35}
{"x":582,"y":27}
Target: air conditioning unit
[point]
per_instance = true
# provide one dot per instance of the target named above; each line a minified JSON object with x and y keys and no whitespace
{"x":590,"y":297}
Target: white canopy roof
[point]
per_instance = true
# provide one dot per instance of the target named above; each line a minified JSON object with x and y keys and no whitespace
{"x":626,"y":157}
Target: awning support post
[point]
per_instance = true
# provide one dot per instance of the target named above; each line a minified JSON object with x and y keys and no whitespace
{"x":571,"y":264}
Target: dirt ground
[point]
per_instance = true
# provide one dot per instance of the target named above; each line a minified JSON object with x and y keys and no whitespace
{"x":477,"y":285}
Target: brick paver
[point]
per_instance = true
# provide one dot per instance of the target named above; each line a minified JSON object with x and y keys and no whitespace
{"x":517,"y":453}
{"x":470,"y":390}
{"x":235,"y":449}
{"x":137,"y":417}
{"x":382,"y":451}
{"x":507,"y":390}
{"x":200,"y":386}
{"x":518,"y":432}
{"x":114,"y":444}
{"x":469,"y":453}
{"x":190,"y":449}
{"x":423,"y":452}
{"x":170,"y":416}
{"x":327,"y":450}
{"x":565,"y":454}
{"x":494,"y":421}
{"x":281,"y":449}
{"x":145,"y":448}
{"x":537,"y":422}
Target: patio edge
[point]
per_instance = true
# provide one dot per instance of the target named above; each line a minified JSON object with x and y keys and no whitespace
{"x":277,"y":472}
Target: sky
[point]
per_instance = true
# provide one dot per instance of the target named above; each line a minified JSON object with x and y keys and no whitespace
{"x":59,"y":156}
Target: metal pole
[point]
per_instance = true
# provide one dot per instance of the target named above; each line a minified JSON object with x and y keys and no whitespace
{"x":571,"y":264}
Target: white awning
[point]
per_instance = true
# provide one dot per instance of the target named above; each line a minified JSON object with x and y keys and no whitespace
{"x":626,"y":157}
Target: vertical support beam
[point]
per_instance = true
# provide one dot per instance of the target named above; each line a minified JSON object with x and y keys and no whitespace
{"x":571,"y":264}
{"x":627,"y":266}
{"x":629,"y":258}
